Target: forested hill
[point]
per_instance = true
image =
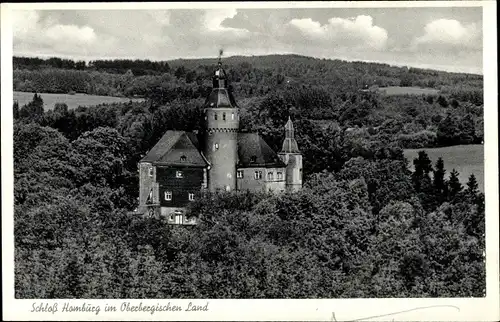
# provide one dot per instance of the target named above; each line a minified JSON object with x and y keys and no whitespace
{"x":363,"y":226}
{"x":251,"y":76}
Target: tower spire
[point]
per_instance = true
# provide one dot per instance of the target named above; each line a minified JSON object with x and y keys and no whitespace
{"x":290,"y":144}
{"x":219,"y":79}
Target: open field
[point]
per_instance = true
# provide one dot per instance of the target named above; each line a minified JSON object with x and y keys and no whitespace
{"x":73,"y":101}
{"x":397,"y":90}
{"x":466,"y":159}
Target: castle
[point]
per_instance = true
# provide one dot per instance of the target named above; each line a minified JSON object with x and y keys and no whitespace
{"x":183,"y":164}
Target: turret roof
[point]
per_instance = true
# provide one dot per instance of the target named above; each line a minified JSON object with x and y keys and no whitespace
{"x":289,"y":143}
{"x":221,"y":96}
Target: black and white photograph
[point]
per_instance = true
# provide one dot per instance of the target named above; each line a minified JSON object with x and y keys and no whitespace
{"x":168,"y":157}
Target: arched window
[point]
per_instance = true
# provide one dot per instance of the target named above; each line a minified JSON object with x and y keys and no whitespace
{"x":215,"y":116}
{"x":232,"y":116}
{"x":224,"y":116}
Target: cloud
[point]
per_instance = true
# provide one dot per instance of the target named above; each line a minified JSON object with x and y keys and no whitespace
{"x":355,"y":33}
{"x":449,"y":34}
{"x":28,"y":27}
{"x":188,"y":33}
{"x":162,"y":17}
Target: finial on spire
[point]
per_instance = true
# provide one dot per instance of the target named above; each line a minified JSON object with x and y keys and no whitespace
{"x":221,"y":52}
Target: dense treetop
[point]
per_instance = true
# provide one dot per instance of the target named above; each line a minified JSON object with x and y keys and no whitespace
{"x":363,"y":226}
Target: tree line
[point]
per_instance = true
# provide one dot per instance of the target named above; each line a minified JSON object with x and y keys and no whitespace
{"x":119,"y":66}
{"x":251,"y":76}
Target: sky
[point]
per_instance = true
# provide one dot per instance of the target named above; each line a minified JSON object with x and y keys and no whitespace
{"x":447,"y":38}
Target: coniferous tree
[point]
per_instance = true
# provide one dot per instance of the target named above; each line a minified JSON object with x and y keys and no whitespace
{"x":423,"y":166}
{"x":439,"y":183}
{"x":454,"y":185}
{"x":15,"y":110}
{"x":34,"y":109}
{"x":472,"y":187}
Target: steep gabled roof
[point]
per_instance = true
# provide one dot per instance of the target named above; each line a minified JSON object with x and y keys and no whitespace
{"x":254,"y":152}
{"x":172,"y":146}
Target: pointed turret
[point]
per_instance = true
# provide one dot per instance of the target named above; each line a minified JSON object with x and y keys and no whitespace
{"x":290,"y":155}
{"x":289,"y":144}
{"x":221,"y":96}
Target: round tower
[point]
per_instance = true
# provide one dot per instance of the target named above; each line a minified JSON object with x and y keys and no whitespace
{"x":221,"y":134}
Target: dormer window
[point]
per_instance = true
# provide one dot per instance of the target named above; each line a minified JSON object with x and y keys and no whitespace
{"x":191,"y":196}
{"x":168,"y":195}
{"x":253,"y":159}
{"x":179,"y":174}
{"x":183,"y":158}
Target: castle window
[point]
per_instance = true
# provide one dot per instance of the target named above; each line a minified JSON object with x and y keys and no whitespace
{"x":216,"y":146}
{"x":280,"y":175}
{"x":191,"y":196}
{"x":224,"y":116}
{"x":215,"y":116}
{"x":258,"y":175}
{"x":151,"y":172}
{"x":179,"y":174}
{"x":183,"y":158}
{"x":253,"y":159}
{"x":270,"y":176}
{"x":168,"y":195}
{"x":232,"y":116}
{"x":239,"y":174}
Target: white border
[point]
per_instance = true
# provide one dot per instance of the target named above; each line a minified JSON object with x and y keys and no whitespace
{"x":443,"y":309}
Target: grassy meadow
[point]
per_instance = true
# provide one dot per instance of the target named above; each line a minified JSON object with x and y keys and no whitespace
{"x":466,"y":159}
{"x":73,"y":101}
{"x":399,"y":90}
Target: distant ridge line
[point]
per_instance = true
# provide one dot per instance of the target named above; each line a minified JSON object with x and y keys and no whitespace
{"x":213,"y":60}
